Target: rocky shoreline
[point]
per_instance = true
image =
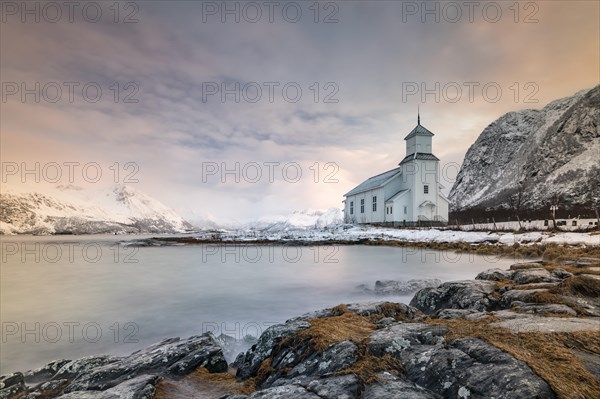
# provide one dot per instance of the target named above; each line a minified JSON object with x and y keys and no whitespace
{"x":528,"y":332}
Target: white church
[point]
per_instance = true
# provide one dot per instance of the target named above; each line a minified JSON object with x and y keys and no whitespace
{"x":409,"y":195}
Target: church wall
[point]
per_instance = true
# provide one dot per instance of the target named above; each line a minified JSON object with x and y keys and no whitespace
{"x":425,"y":173}
{"x":369,"y":216}
{"x":398,"y":214}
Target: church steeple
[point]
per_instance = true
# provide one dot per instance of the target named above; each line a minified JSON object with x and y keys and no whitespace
{"x":418,"y":115}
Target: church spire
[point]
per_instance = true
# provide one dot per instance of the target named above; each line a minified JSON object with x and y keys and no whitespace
{"x":418,"y":115}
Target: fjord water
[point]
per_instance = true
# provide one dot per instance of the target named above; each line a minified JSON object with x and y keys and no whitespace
{"x":73,"y":296}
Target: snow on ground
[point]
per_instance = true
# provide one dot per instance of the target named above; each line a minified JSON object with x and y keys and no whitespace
{"x":346,"y":232}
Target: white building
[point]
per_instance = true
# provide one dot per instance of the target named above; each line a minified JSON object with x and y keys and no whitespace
{"x":410,"y":194}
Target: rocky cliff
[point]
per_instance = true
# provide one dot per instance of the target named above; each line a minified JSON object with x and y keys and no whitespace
{"x":526,"y":160}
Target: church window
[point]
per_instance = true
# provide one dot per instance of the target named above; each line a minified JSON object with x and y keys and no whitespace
{"x":352,"y":207}
{"x":362,"y":205}
{"x":426,"y":189}
{"x":374,"y":203}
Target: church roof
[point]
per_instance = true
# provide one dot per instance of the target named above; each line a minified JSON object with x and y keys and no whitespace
{"x":397,"y":195}
{"x":419,"y":155}
{"x":418,"y":131}
{"x":374,"y":182}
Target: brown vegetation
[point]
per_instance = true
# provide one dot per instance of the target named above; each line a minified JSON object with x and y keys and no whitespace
{"x":550,"y":355}
{"x":202,"y":384}
{"x":327,"y":331}
{"x":580,"y":286}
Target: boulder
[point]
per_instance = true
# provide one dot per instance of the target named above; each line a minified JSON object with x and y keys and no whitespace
{"x":467,"y":294}
{"x":81,"y":366}
{"x":386,"y":308}
{"x":551,"y":308}
{"x":495,"y":275}
{"x":533,"y":323}
{"x":248,"y":363}
{"x":561,"y":273}
{"x":48,"y":389}
{"x":521,"y":296}
{"x":44,"y":373}
{"x":172,"y":356}
{"x":140,"y":387}
{"x":336,"y":387}
{"x":389,"y":309}
{"x":279,"y":392}
{"x":302,"y":361}
{"x":534,"y":275}
{"x":11,"y":384}
{"x":129,"y":377}
{"x":391,"y":387}
{"x":342,"y":387}
{"x":459,"y":368}
{"x":455,"y":313}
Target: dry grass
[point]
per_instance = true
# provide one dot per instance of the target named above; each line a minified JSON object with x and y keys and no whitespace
{"x":558,"y":252}
{"x":581,"y":286}
{"x":368,"y":366}
{"x":202,"y":384}
{"x":264,"y":370}
{"x":324,"y":332}
{"x":574,"y":269}
{"x":545,"y":297}
{"x":390,"y":309}
{"x":546,"y":251}
{"x":549,"y":355}
{"x":348,"y":326}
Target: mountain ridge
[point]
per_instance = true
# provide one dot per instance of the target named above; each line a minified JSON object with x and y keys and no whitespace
{"x":527,"y":160}
{"x":73,"y":210}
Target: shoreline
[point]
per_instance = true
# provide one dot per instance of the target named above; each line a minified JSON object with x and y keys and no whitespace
{"x":529,"y":250}
{"x":510,"y":322}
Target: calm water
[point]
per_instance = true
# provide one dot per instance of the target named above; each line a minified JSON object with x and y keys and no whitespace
{"x":68,"y":297}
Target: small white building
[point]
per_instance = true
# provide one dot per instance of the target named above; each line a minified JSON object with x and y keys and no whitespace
{"x":409,"y":195}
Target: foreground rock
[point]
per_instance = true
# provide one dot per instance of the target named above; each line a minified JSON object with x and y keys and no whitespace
{"x":519,"y":333}
{"x":111,"y":377}
{"x":408,"y":359}
{"x":526,"y":288}
{"x":468,"y":294}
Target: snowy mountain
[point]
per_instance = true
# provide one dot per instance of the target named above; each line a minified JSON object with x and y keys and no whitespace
{"x":527,"y":160}
{"x":71,"y":209}
{"x":300,"y":220}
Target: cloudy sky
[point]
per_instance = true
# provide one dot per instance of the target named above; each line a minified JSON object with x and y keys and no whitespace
{"x":240,"y":109}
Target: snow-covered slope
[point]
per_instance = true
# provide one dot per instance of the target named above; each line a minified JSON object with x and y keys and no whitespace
{"x":528,"y":159}
{"x":299,"y":220}
{"x":70,"y":209}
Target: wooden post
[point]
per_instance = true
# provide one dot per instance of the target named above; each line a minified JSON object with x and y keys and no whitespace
{"x":519,"y":220}
{"x":597,"y":219}
{"x":553,"y":208}
{"x":494,"y":220}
